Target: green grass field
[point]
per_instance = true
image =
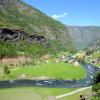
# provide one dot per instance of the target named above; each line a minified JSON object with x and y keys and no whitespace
{"x":51,"y":70}
{"x":59,"y":70}
{"x":87,"y":93}
{"x":36,"y":93}
{"x":31,"y":93}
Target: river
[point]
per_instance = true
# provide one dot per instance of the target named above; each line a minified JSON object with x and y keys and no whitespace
{"x":90,"y":70}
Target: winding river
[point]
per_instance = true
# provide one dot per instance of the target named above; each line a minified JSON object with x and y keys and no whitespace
{"x":90,"y":70}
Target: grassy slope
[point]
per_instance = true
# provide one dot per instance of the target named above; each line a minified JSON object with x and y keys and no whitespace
{"x":85,"y":36}
{"x":34,"y":50}
{"x":19,"y":15}
{"x":76,"y":96}
{"x":51,"y":70}
{"x":31,"y":93}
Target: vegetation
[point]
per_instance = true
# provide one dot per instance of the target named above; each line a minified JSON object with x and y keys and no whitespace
{"x":96,"y":86}
{"x":86,"y":37}
{"x":6,"y":69}
{"x":15,"y":14}
{"x":35,"y":93}
{"x":80,"y":57}
{"x":51,"y":70}
{"x":18,"y":15}
{"x":9,"y":49}
{"x":87,"y":93}
{"x":93,"y":57}
{"x":96,"y":55}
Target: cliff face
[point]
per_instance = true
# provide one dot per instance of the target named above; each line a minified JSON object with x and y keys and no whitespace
{"x":84,"y":37}
{"x":15,"y":14}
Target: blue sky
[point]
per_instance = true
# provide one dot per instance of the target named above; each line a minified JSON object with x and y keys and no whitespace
{"x":70,"y":12}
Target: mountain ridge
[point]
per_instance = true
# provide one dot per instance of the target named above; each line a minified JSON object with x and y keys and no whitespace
{"x":84,"y":36}
{"x":15,"y":14}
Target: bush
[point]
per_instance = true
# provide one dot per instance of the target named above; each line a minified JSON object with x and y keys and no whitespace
{"x":6,"y":69}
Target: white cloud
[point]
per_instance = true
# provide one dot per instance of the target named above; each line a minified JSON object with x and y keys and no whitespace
{"x":57,"y":17}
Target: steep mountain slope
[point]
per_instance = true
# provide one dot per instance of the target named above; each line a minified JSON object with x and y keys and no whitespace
{"x":95,"y":45}
{"x":84,"y":37}
{"x":15,"y":14}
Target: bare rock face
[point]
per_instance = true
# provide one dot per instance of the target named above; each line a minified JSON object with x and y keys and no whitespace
{"x":17,"y":35}
{"x":2,"y":3}
{"x":12,"y":35}
{"x":36,"y":38}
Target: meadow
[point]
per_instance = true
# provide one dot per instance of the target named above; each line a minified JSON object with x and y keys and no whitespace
{"x":31,"y":93}
{"x":36,"y":93}
{"x":51,"y":70}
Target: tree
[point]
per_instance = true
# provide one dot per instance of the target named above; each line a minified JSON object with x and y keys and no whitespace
{"x":6,"y":69}
{"x":80,"y":57}
{"x":89,"y":52}
{"x":97,"y":78}
{"x":96,"y":86}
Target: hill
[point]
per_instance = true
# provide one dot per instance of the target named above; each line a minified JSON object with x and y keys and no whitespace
{"x":95,"y":45}
{"x":15,"y":14}
{"x":85,"y":36}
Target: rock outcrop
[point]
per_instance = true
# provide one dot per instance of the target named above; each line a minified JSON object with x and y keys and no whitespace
{"x":36,"y":38}
{"x":17,"y":35}
{"x":12,"y":35}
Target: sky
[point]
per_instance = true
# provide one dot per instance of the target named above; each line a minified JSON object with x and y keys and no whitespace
{"x":70,"y":12}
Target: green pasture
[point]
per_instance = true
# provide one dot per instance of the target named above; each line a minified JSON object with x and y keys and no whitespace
{"x":50,"y":70}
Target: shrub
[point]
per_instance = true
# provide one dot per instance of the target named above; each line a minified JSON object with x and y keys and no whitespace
{"x":6,"y":69}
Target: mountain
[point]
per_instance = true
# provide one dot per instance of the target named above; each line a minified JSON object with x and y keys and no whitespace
{"x":95,"y":45}
{"x":16,"y":15}
{"x":85,"y":36}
